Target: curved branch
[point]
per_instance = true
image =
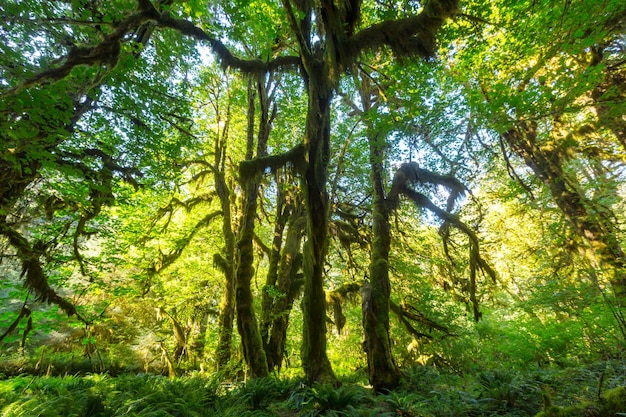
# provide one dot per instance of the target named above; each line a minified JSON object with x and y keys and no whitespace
{"x":410,"y":173}
{"x":24,"y":312}
{"x":397,"y":310}
{"x":295,"y":157}
{"x":32,"y":270}
{"x":413,"y":35}
{"x":226,"y":57}
{"x":105,"y":53}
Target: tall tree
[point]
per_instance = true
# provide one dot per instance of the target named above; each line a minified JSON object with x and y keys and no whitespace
{"x":537,"y":104}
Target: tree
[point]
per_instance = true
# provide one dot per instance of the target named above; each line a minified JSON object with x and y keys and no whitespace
{"x":46,"y":95}
{"x":537,"y":104}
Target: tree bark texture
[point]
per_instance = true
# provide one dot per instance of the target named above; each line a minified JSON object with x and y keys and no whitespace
{"x":315,"y":361}
{"x":268,"y":300}
{"x":225,"y":262}
{"x":247,"y":323}
{"x":382,"y":369}
{"x":288,"y":284}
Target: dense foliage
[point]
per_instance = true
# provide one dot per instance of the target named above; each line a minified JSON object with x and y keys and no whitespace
{"x":275,"y":204}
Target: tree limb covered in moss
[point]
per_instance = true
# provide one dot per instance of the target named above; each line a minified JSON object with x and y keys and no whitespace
{"x":411,"y":36}
{"x":397,"y":310}
{"x":35,"y":278}
{"x":225,"y":56}
{"x":294,"y":157}
{"x":411,"y":312}
{"x":166,"y":259}
{"x":106,"y":53}
{"x":410,"y":174}
{"x":259,"y":242}
{"x":24,"y":312}
{"x":337,"y":297}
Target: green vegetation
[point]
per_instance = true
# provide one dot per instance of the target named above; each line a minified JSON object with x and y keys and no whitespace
{"x":313,"y":208}
{"x":426,"y":392}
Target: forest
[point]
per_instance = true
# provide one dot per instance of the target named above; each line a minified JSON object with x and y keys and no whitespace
{"x":313,"y":208}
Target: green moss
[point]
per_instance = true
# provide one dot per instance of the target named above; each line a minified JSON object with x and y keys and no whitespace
{"x":614,"y":401}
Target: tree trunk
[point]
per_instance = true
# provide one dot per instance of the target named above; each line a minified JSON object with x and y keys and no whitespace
{"x":383,"y":371}
{"x":609,"y":97}
{"x":225,"y":321}
{"x":246,"y":318}
{"x":289,"y":285}
{"x":225,"y":262}
{"x":247,"y":324}
{"x":199,"y":330}
{"x":268,"y":300}
{"x":317,"y":143}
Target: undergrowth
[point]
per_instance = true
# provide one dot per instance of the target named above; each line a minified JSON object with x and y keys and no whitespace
{"x":425,"y":392}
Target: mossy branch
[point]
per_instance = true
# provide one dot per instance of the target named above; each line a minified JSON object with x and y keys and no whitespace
{"x":337,"y":297}
{"x":24,"y":313}
{"x":293,"y":157}
{"x":411,"y":36}
{"x":411,"y":312}
{"x":35,"y":278}
{"x":106,"y":53}
{"x":165,"y":260}
{"x":397,"y":310}
{"x":410,"y":173}
{"x":225,"y":56}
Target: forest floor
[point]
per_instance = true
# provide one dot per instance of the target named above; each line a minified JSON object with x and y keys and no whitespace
{"x":598,"y":389}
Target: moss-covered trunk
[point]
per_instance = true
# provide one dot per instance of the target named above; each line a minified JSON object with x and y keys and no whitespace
{"x":382,"y":369}
{"x":247,"y":324}
{"x":225,"y":261}
{"x":268,"y":298}
{"x":288,"y":284}
{"x":317,"y":143}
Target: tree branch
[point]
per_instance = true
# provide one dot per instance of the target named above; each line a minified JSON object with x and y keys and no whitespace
{"x":410,"y":173}
{"x":415,"y":35}
{"x":227,"y":58}
{"x":251,"y":167}
{"x":35,"y":277}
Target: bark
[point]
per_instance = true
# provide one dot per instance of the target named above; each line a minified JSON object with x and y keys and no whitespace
{"x":226,"y":317}
{"x":315,"y":361}
{"x":179,"y":333}
{"x":225,"y":261}
{"x":247,"y":323}
{"x":383,"y":372}
{"x":282,"y":216}
{"x":199,"y":330}
{"x":382,"y":369}
{"x":289,"y":284}
{"x":33,"y":273}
